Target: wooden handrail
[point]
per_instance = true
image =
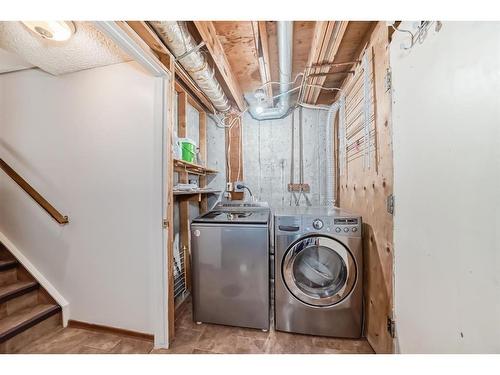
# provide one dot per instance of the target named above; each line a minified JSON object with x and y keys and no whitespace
{"x":61,"y":219}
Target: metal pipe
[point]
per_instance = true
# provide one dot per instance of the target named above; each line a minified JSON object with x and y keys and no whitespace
{"x":285,"y":50}
{"x":180,"y":42}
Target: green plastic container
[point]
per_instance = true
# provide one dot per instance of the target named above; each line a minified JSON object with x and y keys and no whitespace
{"x":188,"y":148}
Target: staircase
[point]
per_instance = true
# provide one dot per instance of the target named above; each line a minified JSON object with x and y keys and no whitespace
{"x":27,"y":312}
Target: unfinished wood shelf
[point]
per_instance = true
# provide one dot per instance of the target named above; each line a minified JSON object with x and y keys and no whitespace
{"x":194,"y":192}
{"x":184,"y":166}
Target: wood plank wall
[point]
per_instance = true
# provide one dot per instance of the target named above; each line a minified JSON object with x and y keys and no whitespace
{"x":365,"y":191}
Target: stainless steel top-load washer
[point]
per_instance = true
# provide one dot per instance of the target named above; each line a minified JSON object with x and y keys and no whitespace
{"x":318,"y":272}
{"x":230,"y":265}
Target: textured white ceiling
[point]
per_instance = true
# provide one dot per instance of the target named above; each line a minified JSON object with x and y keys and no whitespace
{"x":88,"y":48}
{"x":10,"y":62}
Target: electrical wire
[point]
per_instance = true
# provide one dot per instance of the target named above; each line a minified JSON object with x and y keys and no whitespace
{"x":324,"y":88}
{"x":301,"y":155}
{"x":279,"y":83}
{"x":419,"y":35}
{"x":405,"y":31}
{"x":260,"y":166}
{"x":292,"y":162}
{"x":299,"y":97}
{"x":286,"y":92}
{"x":219,"y":122}
{"x":301,"y":146}
{"x":301,"y":159}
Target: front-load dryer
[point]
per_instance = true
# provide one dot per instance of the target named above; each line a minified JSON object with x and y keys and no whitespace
{"x":318,"y":272}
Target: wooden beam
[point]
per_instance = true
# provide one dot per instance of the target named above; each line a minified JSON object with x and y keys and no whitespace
{"x":208,"y":34}
{"x":148,"y":35}
{"x":326,"y":42}
{"x":262,"y":47}
{"x":190,"y":99}
{"x":320,"y":57}
{"x":361,"y":47}
{"x":316,"y":44}
{"x":203,"y":155}
{"x":234,"y":155}
{"x":331,"y":73}
{"x":191,"y":85}
{"x":182,"y":114}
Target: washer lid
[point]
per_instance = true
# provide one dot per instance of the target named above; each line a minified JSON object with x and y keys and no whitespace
{"x":319,"y":270}
{"x":234,"y":217}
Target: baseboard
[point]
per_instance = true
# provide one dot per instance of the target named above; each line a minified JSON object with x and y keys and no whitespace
{"x":111,"y":330}
{"x":53,"y":292}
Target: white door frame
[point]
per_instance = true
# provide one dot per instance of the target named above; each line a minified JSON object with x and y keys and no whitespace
{"x":136,"y":48}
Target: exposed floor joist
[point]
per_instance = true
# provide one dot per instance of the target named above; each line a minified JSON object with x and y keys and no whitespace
{"x":239,"y":45}
{"x":262,"y":47}
{"x":149,"y":36}
{"x":354,"y":41}
{"x":326,"y":41}
{"x":208,"y":33}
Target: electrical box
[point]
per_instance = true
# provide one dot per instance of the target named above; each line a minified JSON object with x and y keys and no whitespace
{"x":235,"y":185}
{"x":299,"y":187}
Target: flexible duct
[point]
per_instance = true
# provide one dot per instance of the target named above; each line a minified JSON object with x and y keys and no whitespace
{"x":182,"y":45}
{"x":285,"y":48}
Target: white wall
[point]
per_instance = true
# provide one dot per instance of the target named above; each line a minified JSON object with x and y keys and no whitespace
{"x":90,"y":142}
{"x":446,"y":115}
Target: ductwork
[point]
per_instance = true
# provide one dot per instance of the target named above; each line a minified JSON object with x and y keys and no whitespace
{"x":285,"y":50}
{"x":182,"y":45}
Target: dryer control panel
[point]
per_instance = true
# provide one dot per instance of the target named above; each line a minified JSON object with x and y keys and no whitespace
{"x":341,"y":226}
{"x":347,"y":226}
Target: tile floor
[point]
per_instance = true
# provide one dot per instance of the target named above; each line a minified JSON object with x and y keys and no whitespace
{"x":196,"y":339}
{"x":215,"y":339}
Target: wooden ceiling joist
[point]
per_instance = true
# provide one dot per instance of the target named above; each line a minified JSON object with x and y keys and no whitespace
{"x":148,"y":35}
{"x":208,"y":34}
{"x":262,"y":48}
{"x":325,"y":45}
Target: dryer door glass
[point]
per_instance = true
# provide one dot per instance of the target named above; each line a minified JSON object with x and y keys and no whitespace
{"x":319,"y":270}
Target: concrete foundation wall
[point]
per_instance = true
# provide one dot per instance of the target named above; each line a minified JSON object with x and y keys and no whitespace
{"x":267,"y":157}
{"x":216,"y":158}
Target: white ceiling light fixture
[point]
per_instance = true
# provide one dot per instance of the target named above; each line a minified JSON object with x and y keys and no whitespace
{"x":260,"y":97}
{"x":59,"y":31}
{"x":259,"y":109}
